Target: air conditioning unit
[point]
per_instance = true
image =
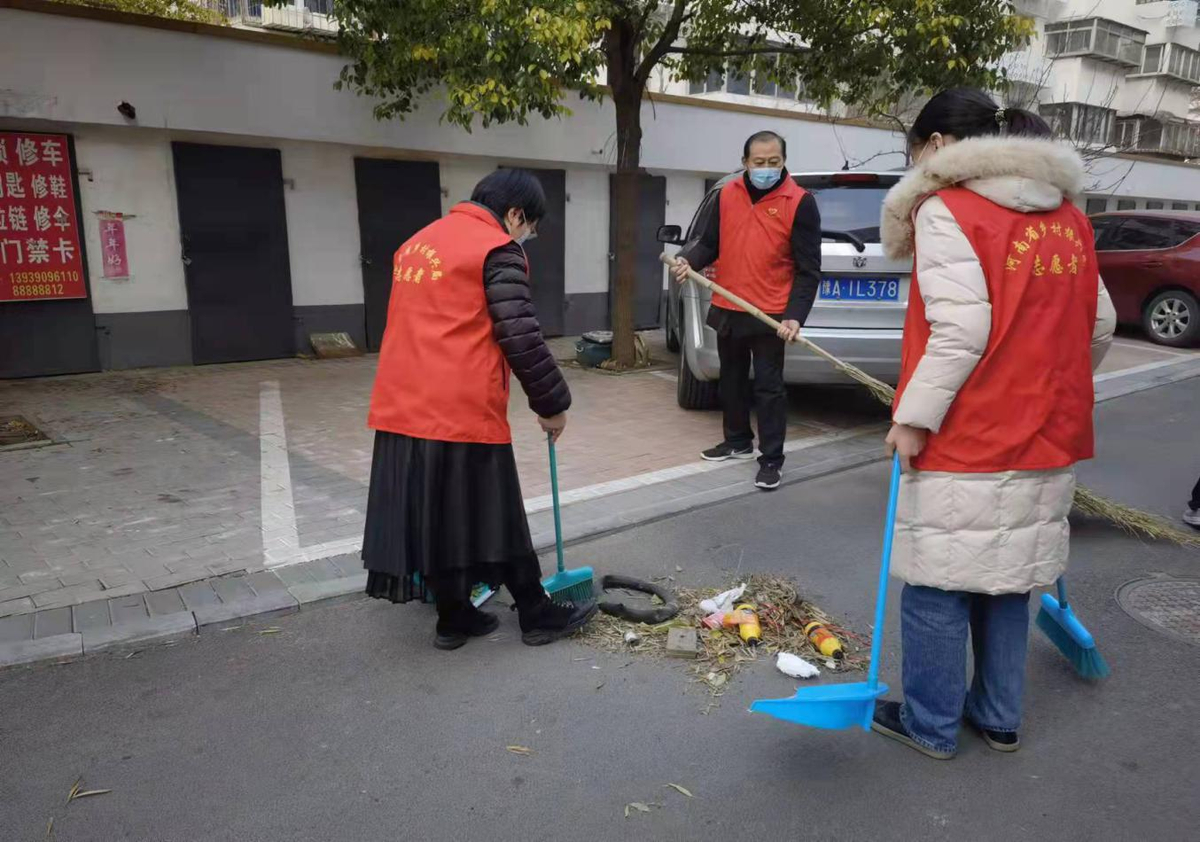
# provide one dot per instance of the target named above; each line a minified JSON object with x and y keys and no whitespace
{"x":1182,"y":13}
{"x":289,"y":18}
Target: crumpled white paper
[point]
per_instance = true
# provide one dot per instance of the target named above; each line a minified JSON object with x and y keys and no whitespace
{"x":795,"y":666}
{"x":723,"y":601}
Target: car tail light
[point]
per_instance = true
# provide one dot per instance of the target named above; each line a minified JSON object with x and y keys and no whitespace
{"x":855,"y":178}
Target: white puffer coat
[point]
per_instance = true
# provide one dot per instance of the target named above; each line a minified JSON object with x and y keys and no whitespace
{"x":994,"y":532}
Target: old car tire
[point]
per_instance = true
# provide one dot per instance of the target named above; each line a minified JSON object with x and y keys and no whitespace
{"x":692,"y":393}
{"x":1172,"y":318}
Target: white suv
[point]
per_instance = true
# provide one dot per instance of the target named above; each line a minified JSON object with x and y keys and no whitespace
{"x":858,"y":315}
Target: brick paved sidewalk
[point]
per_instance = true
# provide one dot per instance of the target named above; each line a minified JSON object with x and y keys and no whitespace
{"x":160,"y":478}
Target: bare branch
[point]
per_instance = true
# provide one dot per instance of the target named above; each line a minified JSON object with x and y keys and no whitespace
{"x":665,"y":41}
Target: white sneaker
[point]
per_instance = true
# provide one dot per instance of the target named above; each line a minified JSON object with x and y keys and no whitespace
{"x":1192,"y":517}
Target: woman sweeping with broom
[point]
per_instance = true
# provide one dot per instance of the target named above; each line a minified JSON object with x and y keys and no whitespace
{"x":1007,"y":318}
{"x":444,"y":509}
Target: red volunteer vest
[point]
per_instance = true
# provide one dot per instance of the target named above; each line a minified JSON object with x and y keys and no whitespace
{"x":1028,"y":404}
{"x":756,"y":245}
{"x":441,"y":374}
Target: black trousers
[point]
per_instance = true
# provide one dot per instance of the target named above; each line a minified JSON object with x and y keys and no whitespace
{"x":766,"y":393}
{"x":1195,"y":504}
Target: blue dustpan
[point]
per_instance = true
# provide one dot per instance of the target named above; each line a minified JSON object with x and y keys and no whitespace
{"x":838,"y":706}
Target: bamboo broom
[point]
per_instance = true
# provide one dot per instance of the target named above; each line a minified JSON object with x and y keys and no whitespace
{"x":1131,"y":520}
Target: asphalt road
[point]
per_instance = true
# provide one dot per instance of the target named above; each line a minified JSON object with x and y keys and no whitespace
{"x":348,"y":725}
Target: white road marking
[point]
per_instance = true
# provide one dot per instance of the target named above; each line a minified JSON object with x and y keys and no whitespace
{"x":280,"y":537}
{"x":665,"y":375}
{"x":1137,"y":369}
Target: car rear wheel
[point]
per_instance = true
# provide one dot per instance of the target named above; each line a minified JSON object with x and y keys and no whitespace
{"x":1173,"y":318}
{"x":692,"y":393}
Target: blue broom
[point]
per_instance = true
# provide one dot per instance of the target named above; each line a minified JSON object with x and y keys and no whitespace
{"x":566,"y":587}
{"x":1058,"y":622}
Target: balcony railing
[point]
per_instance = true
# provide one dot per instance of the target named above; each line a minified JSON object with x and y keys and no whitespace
{"x":1172,"y":60}
{"x":1097,"y":38}
{"x":1154,"y":136}
{"x":313,"y":17}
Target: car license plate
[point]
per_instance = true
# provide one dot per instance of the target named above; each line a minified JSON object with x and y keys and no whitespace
{"x":860,"y":289}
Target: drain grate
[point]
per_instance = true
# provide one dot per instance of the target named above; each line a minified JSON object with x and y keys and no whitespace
{"x":1168,"y":606}
{"x":16,"y":431}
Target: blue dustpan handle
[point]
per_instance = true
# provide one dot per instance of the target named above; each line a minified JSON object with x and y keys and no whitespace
{"x":1062,"y":592}
{"x":885,"y":564}
{"x":558,"y":539}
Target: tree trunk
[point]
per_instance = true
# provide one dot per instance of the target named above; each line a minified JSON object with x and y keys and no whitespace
{"x":627,"y":99}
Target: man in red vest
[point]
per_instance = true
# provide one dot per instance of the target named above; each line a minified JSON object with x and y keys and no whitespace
{"x":766,"y":231}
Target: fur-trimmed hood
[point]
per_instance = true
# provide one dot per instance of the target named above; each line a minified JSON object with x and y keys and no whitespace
{"x":1025,"y":174}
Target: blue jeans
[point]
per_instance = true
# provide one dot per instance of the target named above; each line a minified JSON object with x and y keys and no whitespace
{"x":934,"y":625}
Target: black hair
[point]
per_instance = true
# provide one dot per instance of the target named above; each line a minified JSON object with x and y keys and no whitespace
{"x":506,"y":189}
{"x":764,"y":137}
{"x":969,"y":112}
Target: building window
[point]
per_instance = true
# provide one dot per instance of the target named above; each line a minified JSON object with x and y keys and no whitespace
{"x":1179,"y":205}
{"x":1096,"y":206}
{"x":1153,"y":205}
{"x":1090,"y":124}
{"x":1184,"y":63}
{"x":1152,"y":58}
{"x":1104,"y":39}
{"x":1126,"y":204}
{"x":754,"y":81}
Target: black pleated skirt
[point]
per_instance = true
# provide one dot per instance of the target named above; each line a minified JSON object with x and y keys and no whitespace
{"x":440,"y":512}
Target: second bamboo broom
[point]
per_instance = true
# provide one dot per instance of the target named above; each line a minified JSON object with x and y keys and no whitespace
{"x":1127,"y":518}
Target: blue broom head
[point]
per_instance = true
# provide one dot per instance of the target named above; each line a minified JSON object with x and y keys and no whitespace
{"x":570,"y":586}
{"x":1062,"y":627}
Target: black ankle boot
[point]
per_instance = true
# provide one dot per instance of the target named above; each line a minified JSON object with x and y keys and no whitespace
{"x":543,"y":621}
{"x":456,"y":624}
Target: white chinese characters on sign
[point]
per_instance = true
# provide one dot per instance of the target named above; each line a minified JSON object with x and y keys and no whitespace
{"x":41,"y":256}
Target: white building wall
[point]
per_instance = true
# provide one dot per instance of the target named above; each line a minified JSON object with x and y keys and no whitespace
{"x":219,"y":90}
{"x":322,"y":220}
{"x":132,"y":173}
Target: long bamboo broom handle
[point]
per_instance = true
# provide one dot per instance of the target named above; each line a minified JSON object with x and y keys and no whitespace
{"x":1125,"y":517}
{"x":857,"y":373}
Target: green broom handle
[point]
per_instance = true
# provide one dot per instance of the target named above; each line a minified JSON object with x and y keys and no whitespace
{"x":558,"y":539}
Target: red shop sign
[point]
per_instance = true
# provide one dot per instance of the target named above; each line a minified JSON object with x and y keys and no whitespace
{"x":112,"y":245}
{"x":41,"y":254}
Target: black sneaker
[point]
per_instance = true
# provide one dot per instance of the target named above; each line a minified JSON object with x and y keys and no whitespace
{"x":454,"y":633}
{"x":723,"y":452}
{"x":887,"y":722}
{"x":769,"y":477}
{"x":1192,"y":517}
{"x":1006,"y":741}
{"x":548,"y":621}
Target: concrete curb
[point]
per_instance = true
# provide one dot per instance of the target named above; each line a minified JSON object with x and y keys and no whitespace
{"x":191,"y":609}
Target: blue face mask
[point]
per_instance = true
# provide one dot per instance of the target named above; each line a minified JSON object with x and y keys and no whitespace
{"x":765,"y":177}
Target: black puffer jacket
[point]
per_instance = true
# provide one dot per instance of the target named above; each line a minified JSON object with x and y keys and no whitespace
{"x":516,"y":328}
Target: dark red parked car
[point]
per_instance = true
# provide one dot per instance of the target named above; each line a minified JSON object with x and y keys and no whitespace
{"x":1150,"y":262}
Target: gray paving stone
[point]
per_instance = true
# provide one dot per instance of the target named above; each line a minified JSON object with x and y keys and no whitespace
{"x":140,"y":630}
{"x":281,"y":602}
{"x":127,"y":609}
{"x":325,"y":569}
{"x":199,"y":595}
{"x":265,"y":582}
{"x":69,"y":596}
{"x":17,"y":606}
{"x":165,"y":602}
{"x":295,"y":574}
{"x":17,"y":627}
{"x":347,"y":586}
{"x":172,"y":580}
{"x":52,"y":622}
{"x":59,"y":647}
{"x":91,"y":615}
{"x":349,"y":564}
{"x":232,"y":589}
